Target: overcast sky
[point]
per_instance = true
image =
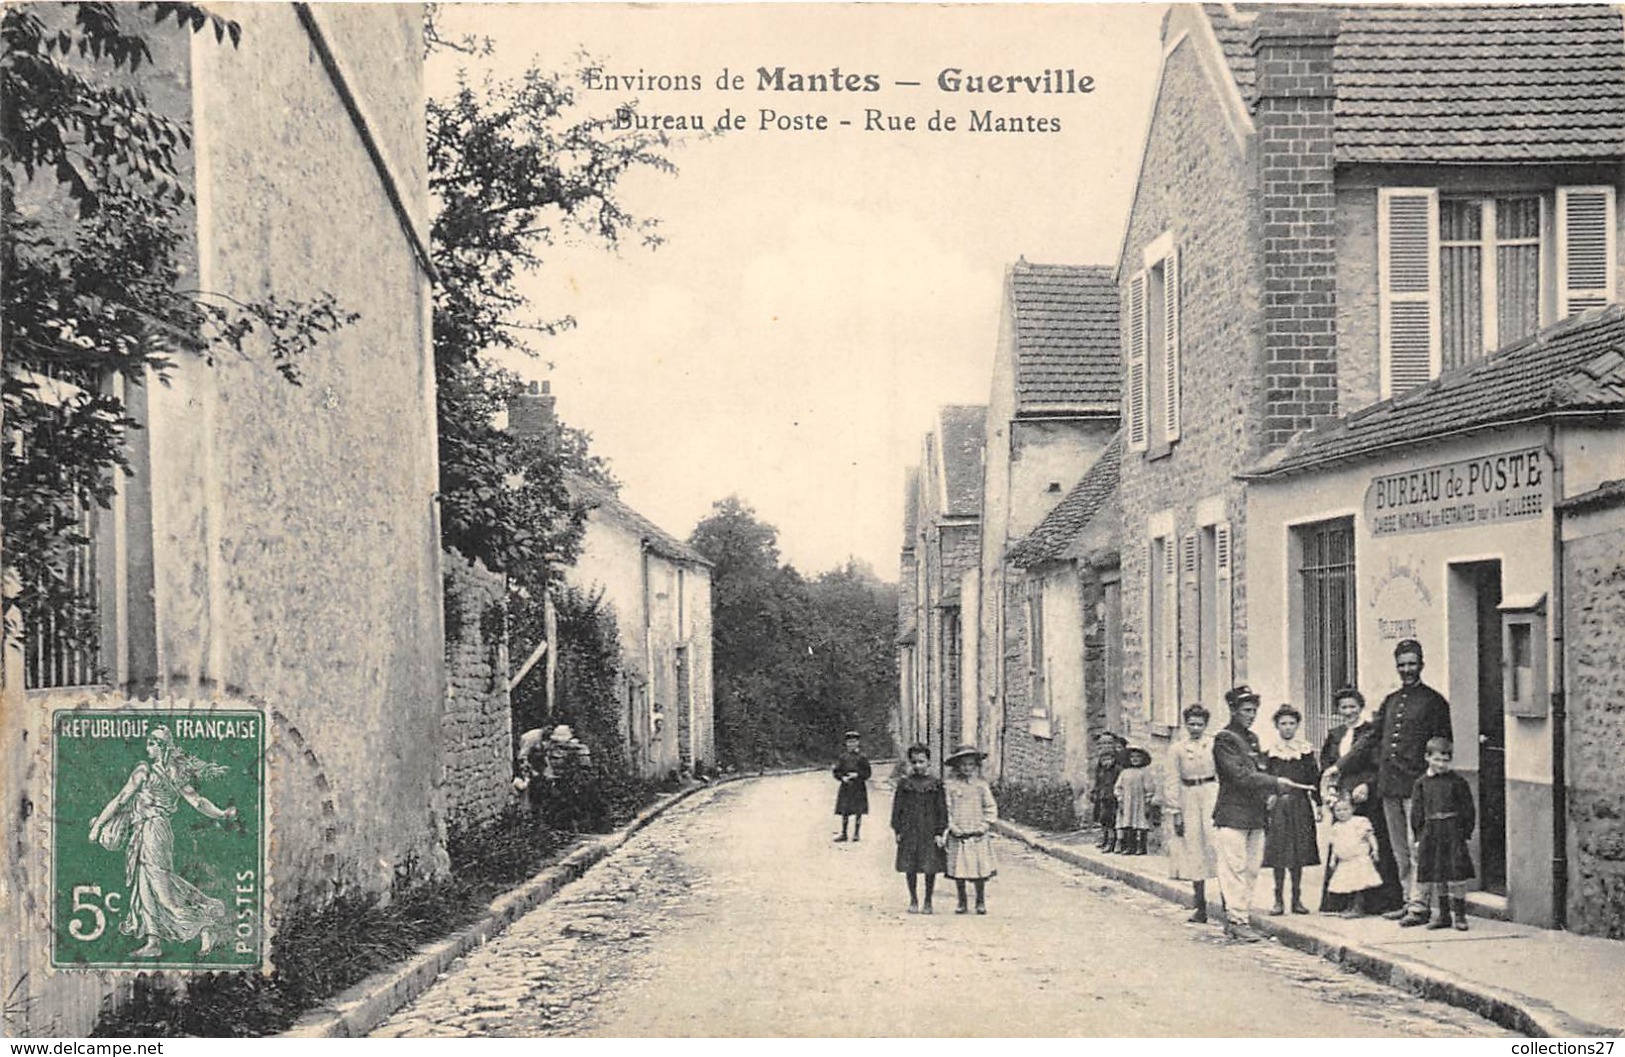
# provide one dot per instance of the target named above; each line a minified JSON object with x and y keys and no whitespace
{"x":820,"y":294}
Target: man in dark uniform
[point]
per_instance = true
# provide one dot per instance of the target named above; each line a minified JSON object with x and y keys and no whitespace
{"x":1241,"y":813}
{"x":1396,"y":748}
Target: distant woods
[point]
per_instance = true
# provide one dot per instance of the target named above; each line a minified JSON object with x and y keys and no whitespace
{"x":796,"y":661}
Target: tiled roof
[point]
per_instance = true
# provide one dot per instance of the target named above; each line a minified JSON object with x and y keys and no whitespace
{"x":1049,"y":540}
{"x":1475,"y":83}
{"x":963,"y":431}
{"x":595,"y":496}
{"x":1066,"y":341}
{"x":1576,"y":366}
{"x":1607,"y":494}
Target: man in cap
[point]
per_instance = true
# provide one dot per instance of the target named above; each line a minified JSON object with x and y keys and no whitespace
{"x":1396,"y":748}
{"x":1241,"y":813}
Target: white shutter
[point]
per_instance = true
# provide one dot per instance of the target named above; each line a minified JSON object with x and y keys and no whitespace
{"x":1170,"y":346}
{"x":1137,"y":431}
{"x":1170,"y":635}
{"x":1223,"y":603}
{"x":1585,"y":249}
{"x":1408,"y":267}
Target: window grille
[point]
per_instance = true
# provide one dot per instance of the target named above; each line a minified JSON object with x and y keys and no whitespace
{"x":1329,"y":660}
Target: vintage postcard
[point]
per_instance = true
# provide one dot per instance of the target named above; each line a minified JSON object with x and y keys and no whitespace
{"x":812,"y":520}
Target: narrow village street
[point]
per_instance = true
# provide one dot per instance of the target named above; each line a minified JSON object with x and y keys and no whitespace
{"x":734,"y":914}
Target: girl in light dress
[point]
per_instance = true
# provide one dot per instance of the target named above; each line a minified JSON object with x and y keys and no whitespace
{"x":971,"y":810}
{"x":1193,"y":789}
{"x":1351,"y":866}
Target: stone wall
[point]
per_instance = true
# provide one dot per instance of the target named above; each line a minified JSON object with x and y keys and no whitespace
{"x":477,"y":724}
{"x":1594,"y":611}
{"x":1209,"y":209}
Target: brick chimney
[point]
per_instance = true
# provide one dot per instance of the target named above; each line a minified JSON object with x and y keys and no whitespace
{"x":1294,"y":121}
{"x":530,"y":411}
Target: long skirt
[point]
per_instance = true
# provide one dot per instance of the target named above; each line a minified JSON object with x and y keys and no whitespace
{"x":162,"y":903}
{"x":1291,"y":841}
{"x":1195,"y":856}
{"x":971,"y":858}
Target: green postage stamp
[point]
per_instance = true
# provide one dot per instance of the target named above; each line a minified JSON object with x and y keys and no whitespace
{"x":159,"y":839}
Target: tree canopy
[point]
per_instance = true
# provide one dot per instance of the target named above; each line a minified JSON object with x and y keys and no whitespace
{"x":796,"y":662}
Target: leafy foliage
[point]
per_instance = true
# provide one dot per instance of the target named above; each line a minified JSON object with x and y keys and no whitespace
{"x":1047,"y":806}
{"x":92,"y":241}
{"x":795,"y":662}
{"x":514,"y":168}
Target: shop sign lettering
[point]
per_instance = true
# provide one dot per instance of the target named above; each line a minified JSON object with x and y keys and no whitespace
{"x":1507,"y":486}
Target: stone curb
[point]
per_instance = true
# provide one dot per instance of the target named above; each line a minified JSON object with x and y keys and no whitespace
{"x":362,"y":1007}
{"x":1517,"y":1012}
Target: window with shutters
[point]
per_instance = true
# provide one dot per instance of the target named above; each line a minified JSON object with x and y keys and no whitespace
{"x":1464,"y":275}
{"x":1326,"y":607}
{"x":1155,"y":400}
{"x":1161,"y":667}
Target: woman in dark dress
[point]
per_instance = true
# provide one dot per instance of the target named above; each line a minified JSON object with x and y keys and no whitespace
{"x":1291,"y":843}
{"x":1357,"y":721}
{"x":852,"y":801}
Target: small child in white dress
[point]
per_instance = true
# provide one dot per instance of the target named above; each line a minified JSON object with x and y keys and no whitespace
{"x":1353,"y":861}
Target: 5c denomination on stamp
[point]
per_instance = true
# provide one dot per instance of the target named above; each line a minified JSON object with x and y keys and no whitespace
{"x":159,"y":839}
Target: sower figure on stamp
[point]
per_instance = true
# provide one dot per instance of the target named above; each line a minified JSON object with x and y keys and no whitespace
{"x":1406,"y":720}
{"x":852,"y":800}
{"x":162,"y":905}
{"x":919,"y":817}
{"x":1241,"y":813}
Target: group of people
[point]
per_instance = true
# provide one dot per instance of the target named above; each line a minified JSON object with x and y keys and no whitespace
{"x":940,"y":826}
{"x":1401,"y":816}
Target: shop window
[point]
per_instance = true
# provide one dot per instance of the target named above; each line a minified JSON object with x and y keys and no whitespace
{"x":1326,"y":580}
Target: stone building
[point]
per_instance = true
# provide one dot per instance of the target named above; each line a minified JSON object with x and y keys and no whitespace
{"x":938,"y":565}
{"x":659,"y":589}
{"x":1386,"y":197}
{"x":1065,"y":681}
{"x":1296,"y":274}
{"x":275,"y":544}
{"x":1052,"y":407}
{"x":1451,"y":496}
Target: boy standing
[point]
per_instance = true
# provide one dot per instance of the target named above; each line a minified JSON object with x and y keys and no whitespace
{"x":852,"y":801}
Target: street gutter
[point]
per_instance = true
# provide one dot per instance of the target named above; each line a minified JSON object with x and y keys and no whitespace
{"x":1509,"y":1009}
{"x":355,"y":1012}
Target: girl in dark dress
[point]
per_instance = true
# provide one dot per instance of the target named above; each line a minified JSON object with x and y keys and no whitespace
{"x":852,"y":801}
{"x":919,"y":817}
{"x":1291,"y":843}
{"x":1442,"y":812}
{"x":1357,"y":723}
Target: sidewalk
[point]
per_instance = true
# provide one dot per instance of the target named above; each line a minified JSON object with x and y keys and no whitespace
{"x":1535,"y":981}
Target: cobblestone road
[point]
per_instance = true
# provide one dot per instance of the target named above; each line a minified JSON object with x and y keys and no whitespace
{"x":734,"y":914}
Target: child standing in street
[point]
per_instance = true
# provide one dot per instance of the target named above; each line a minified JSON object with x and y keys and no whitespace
{"x":1351,"y":865}
{"x":852,"y":801}
{"x":919,"y":817}
{"x":1192,"y":790}
{"x":1136,"y":797}
{"x":970,"y":811}
{"x":1108,"y":765}
{"x":1290,"y":843}
{"x":1442,"y":813}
